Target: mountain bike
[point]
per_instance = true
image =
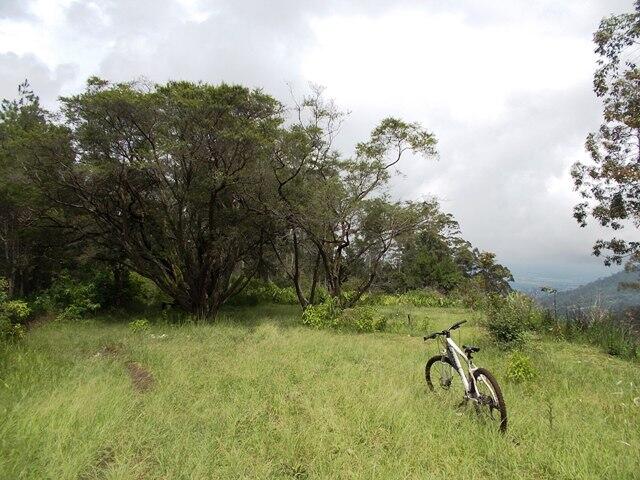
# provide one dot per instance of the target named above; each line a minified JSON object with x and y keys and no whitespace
{"x":478,"y":386}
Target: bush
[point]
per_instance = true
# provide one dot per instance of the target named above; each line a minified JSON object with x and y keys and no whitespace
{"x":10,"y":331}
{"x":146,"y":292}
{"x":328,"y":314}
{"x":69,"y":298}
{"x":613,"y":334}
{"x":508,"y":318}
{"x":13,"y":314}
{"x":139,"y":325}
{"x":361,"y":319}
{"x":15,"y":310}
{"x":520,"y":368}
{"x":416,"y":298}
{"x":322,"y":315}
{"x":471,"y":294}
{"x":259,"y":292}
{"x":427,"y":298}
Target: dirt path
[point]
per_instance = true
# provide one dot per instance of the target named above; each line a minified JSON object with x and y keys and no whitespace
{"x":140,"y":377}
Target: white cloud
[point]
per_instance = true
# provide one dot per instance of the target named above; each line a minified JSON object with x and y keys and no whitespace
{"x":441,"y":62}
{"x":505,"y":85}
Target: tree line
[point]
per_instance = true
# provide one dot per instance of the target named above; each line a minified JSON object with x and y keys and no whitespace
{"x":202,"y":188}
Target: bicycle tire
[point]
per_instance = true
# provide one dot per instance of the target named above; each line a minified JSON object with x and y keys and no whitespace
{"x":429,"y":366}
{"x":498,"y":398}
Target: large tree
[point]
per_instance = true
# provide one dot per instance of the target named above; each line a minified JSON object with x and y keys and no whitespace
{"x":610,"y":183}
{"x":163,"y":176}
{"x":333,"y":207}
{"x":29,"y":251}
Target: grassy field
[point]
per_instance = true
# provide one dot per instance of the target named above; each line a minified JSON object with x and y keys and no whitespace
{"x":256,"y":395}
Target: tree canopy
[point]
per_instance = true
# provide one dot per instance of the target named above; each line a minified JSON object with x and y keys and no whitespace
{"x":201,"y":187}
{"x":610,"y":183}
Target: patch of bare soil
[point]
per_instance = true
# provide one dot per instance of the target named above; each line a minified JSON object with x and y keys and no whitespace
{"x":141,"y":378}
{"x":39,"y":320}
{"x":110,"y":350}
{"x":103,"y":461}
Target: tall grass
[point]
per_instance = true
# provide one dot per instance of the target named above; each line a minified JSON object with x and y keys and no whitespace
{"x":615,"y":334}
{"x":257,"y":395}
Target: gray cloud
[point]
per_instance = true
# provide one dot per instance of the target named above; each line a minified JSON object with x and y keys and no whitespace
{"x":494,"y":175}
{"x":14,"y":69}
{"x":13,"y":9}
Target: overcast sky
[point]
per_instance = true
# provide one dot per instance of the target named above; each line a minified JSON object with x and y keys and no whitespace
{"x":505,"y":85}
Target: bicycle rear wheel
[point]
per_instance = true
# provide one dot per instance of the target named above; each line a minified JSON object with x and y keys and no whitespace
{"x":490,"y":402}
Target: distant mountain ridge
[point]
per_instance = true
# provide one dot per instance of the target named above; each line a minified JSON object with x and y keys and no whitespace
{"x":604,"y":292}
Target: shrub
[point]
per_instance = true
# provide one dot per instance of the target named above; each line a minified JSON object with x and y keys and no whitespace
{"x":15,"y":310}
{"x":4,"y":289}
{"x":146,"y":292}
{"x":508,"y":318}
{"x":258,"y":292}
{"x":322,"y":315}
{"x":416,"y":298}
{"x":13,"y":314}
{"x":69,"y":298}
{"x":612,"y":332}
{"x":10,"y":331}
{"x":139,"y":325}
{"x":361,"y":319}
{"x":426,"y":298}
{"x":520,"y":368}
{"x":471,"y":294}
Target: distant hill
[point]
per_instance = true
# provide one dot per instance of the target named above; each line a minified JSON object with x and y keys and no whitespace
{"x":605,"y":292}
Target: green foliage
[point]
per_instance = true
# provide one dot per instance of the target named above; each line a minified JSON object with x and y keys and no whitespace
{"x":191,"y":225}
{"x":279,"y":401}
{"x":15,"y":310}
{"x":145,"y":292}
{"x":494,"y":277}
{"x":429,"y":258}
{"x":322,"y":315}
{"x":259,"y":292}
{"x":382,"y":299}
{"x":328,"y":314}
{"x":10,"y":331}
{"x":139,"y":325}
{"x":471,"y":294}
{"x":427,"y":298}
{"x":609,"y":183}
{"x":13,"y":314}
{"x":361,"y":318}
{"x":520,"y":368}
{"x":415,"y":298}
{"x":508,"y":318}
{"x":614,"y":335}
{"x":68,"y":298}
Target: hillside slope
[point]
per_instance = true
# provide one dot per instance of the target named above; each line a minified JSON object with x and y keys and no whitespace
{"x":605,"y":292}
{"x":258,"y":396}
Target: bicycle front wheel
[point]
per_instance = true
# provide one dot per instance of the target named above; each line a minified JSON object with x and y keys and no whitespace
{"x":444,"y":380}
{"x":490,"y":402}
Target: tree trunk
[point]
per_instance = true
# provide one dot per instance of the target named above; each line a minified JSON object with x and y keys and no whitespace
{"x":314,"y":283}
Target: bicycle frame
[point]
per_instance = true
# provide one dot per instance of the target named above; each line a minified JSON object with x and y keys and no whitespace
{"x":452,"y":351}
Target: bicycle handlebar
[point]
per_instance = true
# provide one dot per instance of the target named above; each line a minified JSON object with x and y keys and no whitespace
{"x":457,"y":325}
{"x":446,"y":331}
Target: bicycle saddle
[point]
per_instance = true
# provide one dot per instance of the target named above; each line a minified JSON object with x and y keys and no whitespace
{"x":470,"y":349}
